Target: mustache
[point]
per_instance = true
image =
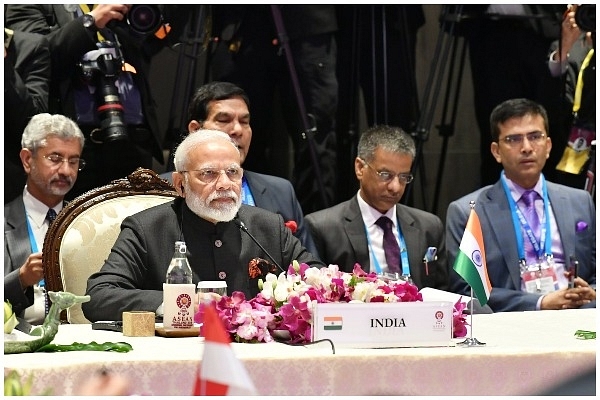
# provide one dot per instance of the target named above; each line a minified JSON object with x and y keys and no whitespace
{"x":224,"y":194}
{"x":61,"y":178}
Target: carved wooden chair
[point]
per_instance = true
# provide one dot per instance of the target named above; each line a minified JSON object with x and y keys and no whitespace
{"x":81,"y":237}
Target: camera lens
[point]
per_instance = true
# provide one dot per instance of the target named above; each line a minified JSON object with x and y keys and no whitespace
{"x":110,"y":111}
{"x":585,"y":17}
{"x":144,"y":18}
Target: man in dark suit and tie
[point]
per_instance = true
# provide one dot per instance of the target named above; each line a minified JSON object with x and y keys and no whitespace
{"x":225,"y":107}
{"x":51,"y":156}
{"x":528,"y":267}
{"x":352,"y":232}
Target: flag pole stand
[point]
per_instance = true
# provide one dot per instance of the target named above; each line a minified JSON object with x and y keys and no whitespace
{"x":471,"y":341}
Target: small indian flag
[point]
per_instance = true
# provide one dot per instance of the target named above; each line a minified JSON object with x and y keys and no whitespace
{"x":332,"y":323}
{"x":470,"y":261}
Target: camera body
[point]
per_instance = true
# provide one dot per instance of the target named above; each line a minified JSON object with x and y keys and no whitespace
{"x":103,"y":67}
{"x":585,"y":17}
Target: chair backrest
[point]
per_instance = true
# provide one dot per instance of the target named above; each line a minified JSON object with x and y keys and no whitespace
{"x":80,"y":239}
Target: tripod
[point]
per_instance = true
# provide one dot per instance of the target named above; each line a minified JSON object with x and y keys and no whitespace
{"x":447,"y":41}
{"x":309,"y":127}
{"x":180,"y":101}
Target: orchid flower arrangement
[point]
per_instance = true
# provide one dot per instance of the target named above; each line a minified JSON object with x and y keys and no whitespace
{"x":285,"y":302}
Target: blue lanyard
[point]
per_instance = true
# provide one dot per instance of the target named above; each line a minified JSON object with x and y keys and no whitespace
{"x":246,"y":193}
{"x":520,"y":221}
{"x":403,"y":252}
{"x":33,"y":243}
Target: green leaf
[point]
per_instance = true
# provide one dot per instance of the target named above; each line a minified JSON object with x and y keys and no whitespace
{"x":120,"y":347}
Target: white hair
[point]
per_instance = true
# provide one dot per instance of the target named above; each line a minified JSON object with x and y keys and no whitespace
{"x":195,"y":139}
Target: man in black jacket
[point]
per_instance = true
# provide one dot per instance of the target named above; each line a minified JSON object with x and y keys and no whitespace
{"x":208,"y":216}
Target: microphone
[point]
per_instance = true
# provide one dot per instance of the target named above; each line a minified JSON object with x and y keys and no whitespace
{"x":243,"y":228}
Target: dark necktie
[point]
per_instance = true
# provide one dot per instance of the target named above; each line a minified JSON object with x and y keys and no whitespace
{"x":390,"y":245}
{"x":50,"y":216}
{"x":532,"y":218}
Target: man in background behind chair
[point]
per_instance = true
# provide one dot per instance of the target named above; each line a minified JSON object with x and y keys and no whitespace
{"x":51,"y":156}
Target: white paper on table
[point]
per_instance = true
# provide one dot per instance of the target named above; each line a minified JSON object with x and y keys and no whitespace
{"x":432,"y":294}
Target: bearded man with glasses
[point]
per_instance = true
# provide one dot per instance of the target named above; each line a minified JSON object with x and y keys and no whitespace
{"x":51,"y":147}
{"x":372,"y":228}
{"x":540,"y":237}
{"x":222,"y":235}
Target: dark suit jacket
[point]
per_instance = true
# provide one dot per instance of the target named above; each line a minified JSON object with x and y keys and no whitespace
{"x":132,"y":276}
{"x":340,"y":237}
{"x":26,"y":86}
{"x":16,"y":250}
{"x":569,"y":206}
{"x":276,"y":195}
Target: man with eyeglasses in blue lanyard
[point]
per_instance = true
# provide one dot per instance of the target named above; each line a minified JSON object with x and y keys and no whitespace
{"x":539,"y":237}
{"x":51,"y":157}
{"x":372,"y":228}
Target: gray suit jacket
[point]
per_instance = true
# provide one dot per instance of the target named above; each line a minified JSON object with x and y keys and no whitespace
{"x":340,"y":237}
{"x":16,"y":250}
{"x":276,"y":195}
{"x":569,"y":206}
{"x":131,"y":278}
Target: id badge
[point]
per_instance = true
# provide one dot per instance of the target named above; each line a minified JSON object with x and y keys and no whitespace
{"x":539,"y":278}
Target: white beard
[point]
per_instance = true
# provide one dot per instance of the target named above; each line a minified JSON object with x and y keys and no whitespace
{"x":225,"y":213}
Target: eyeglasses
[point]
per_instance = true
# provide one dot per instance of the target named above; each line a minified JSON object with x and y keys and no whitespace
{"x":387,"y":177}
{"x":56,"y":161}
{"x":535,"y":138}
{"x":210,"y":175}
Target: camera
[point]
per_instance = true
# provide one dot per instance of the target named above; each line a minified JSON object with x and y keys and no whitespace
{"x":102,"y":67}
{"x":585,"y":17}
{"x":145,"y":19}
{"x":142,"y":20}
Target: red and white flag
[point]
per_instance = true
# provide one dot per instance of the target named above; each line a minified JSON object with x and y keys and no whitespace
{"x":220,"y":373}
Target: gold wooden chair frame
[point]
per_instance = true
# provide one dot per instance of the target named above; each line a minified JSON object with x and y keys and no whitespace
{"x":81,"y":237}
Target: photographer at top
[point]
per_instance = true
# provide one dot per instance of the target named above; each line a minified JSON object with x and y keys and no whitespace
{"x":97,"y":54}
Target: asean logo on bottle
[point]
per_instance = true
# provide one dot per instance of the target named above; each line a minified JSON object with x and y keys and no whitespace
{"x":184,"y":301}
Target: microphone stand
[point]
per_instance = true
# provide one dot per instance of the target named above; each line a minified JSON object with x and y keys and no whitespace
{"x":243,"y":228}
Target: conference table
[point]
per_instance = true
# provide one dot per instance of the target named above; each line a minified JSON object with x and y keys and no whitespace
{"x":524,"y":354}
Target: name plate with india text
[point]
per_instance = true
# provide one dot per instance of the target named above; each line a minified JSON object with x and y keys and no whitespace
{"x":380,"y":325}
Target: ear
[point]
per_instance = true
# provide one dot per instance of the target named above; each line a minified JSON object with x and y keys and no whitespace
{"x":194,"y":125}
{"x":178,"y":183}
{"x":496,"y":152}
{"x":26,"y":155}
{"x":358,"y":168}
{"x":548,"y":146}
